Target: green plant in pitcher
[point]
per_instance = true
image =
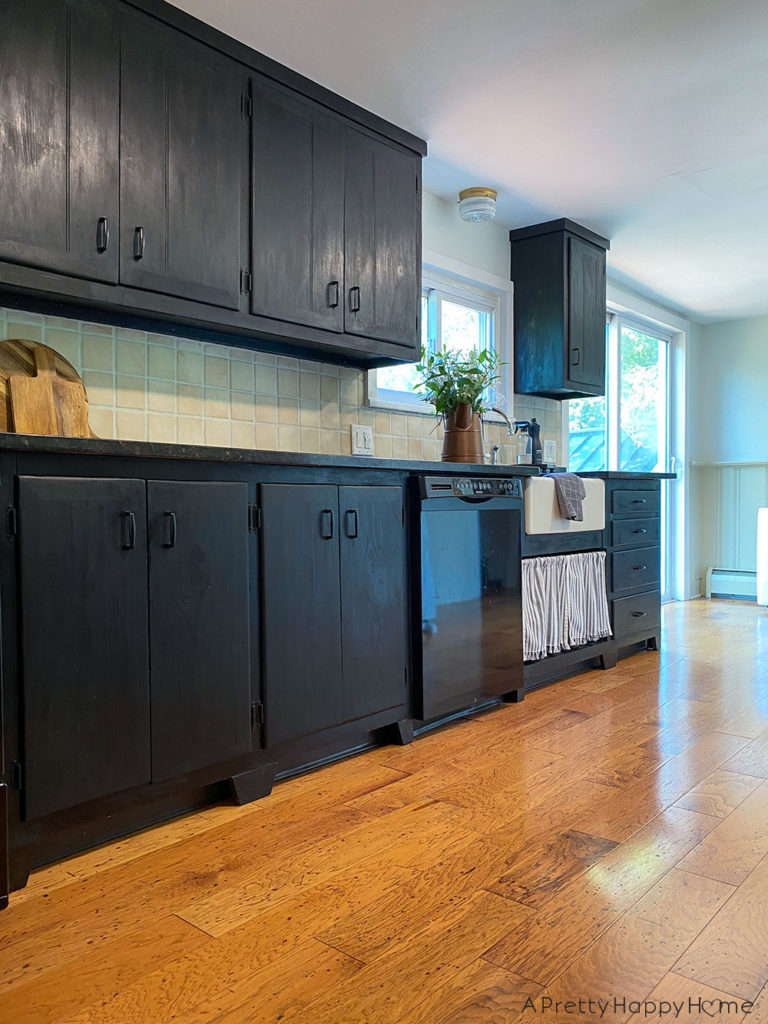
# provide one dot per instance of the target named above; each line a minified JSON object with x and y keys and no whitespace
{"x":451,"y":378}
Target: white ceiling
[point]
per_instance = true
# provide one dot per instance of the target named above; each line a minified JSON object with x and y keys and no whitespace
{"x":646,"y":120}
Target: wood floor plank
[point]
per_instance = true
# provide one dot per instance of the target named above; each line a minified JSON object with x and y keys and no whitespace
{"x":719,"y":794}
{"x":730,"y":954}
{"x":752,"y":759}
{"x":546,"y":865}
{"x":751,"y":722}
{"x":544,"y":945}
{"x":480,"y":994}
{"x":639,"y":802}
{"x":635,"y":953}
{"x":409,"y":973}
{"x":693,"y":1003}
{"x":737,"y":845}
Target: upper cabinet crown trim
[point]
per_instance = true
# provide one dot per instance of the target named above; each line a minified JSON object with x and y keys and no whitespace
{"x":256,"y":61}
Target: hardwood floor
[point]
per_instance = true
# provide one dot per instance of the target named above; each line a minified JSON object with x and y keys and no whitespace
{"x":607,"y":839}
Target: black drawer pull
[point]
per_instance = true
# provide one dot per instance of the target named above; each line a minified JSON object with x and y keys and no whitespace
{"x":138,"y":244}
{"x":639,"y":501}
{"x":129,"y":531}
{"x":576,"y":357}
{"x":639,"y":615}
{"x":170,"y":541}
{"x":326,"y":524}
{"x":639,"y":568}
{"x":332,"y":297}
{"x":639,"y":531}
{"x":354,"y":299}
{"x":102,"y":234}
{"x":350,"y":526}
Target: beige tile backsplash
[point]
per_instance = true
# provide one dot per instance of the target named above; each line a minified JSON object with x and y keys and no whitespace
{"x":153,"y":387}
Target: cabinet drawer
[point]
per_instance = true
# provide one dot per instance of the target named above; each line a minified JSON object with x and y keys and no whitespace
{"x":634,"y":532}
{"x":640,"y":502}
{"x":638,"y":615}
{"x":633,"y":569}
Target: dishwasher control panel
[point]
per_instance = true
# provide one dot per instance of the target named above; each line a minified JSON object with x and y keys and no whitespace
{"x":470,"y":487}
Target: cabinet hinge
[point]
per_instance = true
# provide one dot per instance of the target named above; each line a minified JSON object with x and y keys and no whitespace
{"x":246,"y":281}
{"x":254,"y":518}
{"x":17,"y":778}
{"x":257,"y":714}
{"x":246,"y":106}
{"x":11,"y":521}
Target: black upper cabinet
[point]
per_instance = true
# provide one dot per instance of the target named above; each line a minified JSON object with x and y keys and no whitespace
{"x":59,"y":98}
{"x":298,"y":209}
{"x":199,"y":624}
{"x":558,"y":270}
{"x":183,"y":140}
{"x":382,"y":216}
{"x":85,"y":666}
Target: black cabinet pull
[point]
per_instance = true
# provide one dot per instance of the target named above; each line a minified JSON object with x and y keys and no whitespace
{"x":138,"y":243}
{"x":354,"y":299}
{"x":639,"y":501}
{"x":129,"y":530}
{"x":326,"y":524}
{"x":639,"y":568}
{"x":170,"y":519}
{"x":332,"y":296}
{"x":639,"y":531}
{"x":576,"y":356}
{"x":102,"y":234}
{"x":639,"y":615}
{"x":350,"y":524}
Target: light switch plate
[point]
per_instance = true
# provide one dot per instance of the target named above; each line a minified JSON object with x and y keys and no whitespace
{"x":362,"y":439}
{"x":548,"y":452}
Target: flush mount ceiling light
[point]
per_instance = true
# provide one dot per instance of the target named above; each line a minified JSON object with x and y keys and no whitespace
{"x":477,"y":204}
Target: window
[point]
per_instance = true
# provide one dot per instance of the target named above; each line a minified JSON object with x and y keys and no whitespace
{"x":628,"y":428}
{"x":456,"y":313}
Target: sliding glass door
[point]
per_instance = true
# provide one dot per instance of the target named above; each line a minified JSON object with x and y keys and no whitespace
{"x":629,"y":428}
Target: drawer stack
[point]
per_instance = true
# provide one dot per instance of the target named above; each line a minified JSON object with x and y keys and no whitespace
{"x":634,"y":560}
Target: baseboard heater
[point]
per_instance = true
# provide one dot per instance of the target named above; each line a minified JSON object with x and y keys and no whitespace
{"x":740,"y":584}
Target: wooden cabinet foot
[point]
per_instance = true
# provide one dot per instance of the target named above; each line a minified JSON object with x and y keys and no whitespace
{"x":403,"y":731}
{"x":609,"y":660}
{"x":653,"y":643}
{"x":514,"y":696}
{"x":252,"y":785}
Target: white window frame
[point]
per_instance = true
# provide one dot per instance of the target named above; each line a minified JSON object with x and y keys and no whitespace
{"x":446,"y":278}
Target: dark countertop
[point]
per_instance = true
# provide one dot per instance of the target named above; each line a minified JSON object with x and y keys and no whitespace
{"x":257,"y":457}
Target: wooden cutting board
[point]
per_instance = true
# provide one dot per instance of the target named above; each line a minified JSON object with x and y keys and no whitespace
{"x":40,"y":392}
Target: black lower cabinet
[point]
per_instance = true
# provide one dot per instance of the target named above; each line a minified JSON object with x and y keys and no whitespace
{"x":333,"y":605}
{"x":199,"y":624}
{"x":84,"y":644}
{"x":5,"y":874}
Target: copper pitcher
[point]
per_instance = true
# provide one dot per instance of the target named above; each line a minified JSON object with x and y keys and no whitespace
{"x":463,"y":437}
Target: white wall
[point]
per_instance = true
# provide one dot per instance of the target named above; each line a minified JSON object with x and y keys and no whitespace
{"x":485,"y":246}
{"x":729,"y":443}
{"x":730,"y":392}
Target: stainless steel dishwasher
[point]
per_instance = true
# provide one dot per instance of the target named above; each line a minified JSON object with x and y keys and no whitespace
{"x":468,"y":634}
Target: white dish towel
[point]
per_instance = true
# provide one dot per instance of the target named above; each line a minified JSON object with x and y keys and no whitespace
{"x":565,"y":603}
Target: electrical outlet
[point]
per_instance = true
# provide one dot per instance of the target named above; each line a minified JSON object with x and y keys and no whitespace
{"x":549,"y":452}
{"x":362,"y":439}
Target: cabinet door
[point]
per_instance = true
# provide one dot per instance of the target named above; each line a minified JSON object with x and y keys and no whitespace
{"x":182,"y":153}
{"x":373,"y":599}
{"x":298,"y":210}
{"x":199,"y":625}
{"x":59,"y":95}
{"x":382,"y":241}
{"x":301,"y":609}
{"x":85,"y":682}
{"x":586,"y":314}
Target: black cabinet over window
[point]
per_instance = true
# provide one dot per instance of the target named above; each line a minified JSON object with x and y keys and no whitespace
{"x":558,"y":270}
